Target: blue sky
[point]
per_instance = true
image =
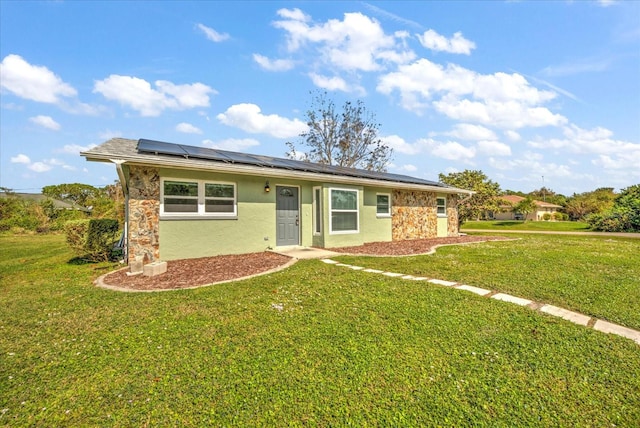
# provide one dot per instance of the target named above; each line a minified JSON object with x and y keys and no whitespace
{"x":519,"y":90}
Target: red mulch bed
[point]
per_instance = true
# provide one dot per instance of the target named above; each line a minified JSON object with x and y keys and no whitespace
{"x":207,"y":270}
{"x":193,"y":272}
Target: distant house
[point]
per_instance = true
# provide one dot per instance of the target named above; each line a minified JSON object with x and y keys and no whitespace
{"x":38,"y":198}
{"x":507,"y":202}
{"x":187,"y":202}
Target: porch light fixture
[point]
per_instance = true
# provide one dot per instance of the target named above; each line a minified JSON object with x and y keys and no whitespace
{"x":266,"y":187}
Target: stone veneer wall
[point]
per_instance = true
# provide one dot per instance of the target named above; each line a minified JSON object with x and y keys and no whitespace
{"x":144,"y":214}
{"x":452,"y":215}
{"x":414,"y":215}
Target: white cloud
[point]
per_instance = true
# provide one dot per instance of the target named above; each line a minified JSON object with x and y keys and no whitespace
{"x":138,"y":94}
{"x":450,"y":150}
{"x":249,"y":118}
{"x":188,"y":128}
{"x":39,"y":167}
{"x":510,"y":114}
{"x":399,"y":145}
{"x":500,"y":99}
{"x":74,"y":149}
{"x":532,"y":165}
{"x":465,"y":131}
{"x":33,"y":82}
{"x":587,"y":65}
{"x":45,"y":122}
{"x":21,"y":159}
{"x":607,"y":3}
{"x":595,"y":141}
{"x":512,"y":135}
{"x":294,"y":15}
{"x":334,"y":83}
{"x":273,"y":64}
{"x":408,"y":168}
{"x":232,"y":144}
{"x":109,"y":134}
{"x":457,"y":44}
{"x":631,"y":161}
{"x":357,"y":43}
{"x":212,"y":34}
{"x":494,"y":148}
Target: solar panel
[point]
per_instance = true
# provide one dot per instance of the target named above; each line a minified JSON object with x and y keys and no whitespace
{"x":162,"y":148}
{"x":159,"y":147}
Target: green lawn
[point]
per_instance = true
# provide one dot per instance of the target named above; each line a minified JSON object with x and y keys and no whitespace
{"x":595,"y":275}
{"x":347,"y":348}
{"x":558,"y":226}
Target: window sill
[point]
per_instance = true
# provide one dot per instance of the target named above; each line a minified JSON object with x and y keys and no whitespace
{"x":197,"y":217}
{"x":383,"y":215}
{"x":345,"y":232}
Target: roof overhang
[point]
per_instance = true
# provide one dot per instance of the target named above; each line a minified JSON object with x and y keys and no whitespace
{"x":230,"y":168}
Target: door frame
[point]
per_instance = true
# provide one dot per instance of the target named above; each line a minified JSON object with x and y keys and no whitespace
{"x":298,"y":208}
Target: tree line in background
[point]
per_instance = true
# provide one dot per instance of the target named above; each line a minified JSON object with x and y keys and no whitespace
{"x":603,"y":209}
{"x":20,"y":212}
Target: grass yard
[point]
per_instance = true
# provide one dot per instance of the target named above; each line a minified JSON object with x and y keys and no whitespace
{"x":310,"y":345}
{"x":554,"y":226}
{"x":597,"y":276}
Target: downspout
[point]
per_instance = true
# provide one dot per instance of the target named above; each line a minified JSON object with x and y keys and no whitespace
{"x":125,"y":191}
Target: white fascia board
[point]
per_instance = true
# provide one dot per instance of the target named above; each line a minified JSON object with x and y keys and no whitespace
{"x":193,"y":164}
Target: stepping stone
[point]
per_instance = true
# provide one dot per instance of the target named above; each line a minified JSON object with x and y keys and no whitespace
{"x":329,"y":261}
{"x":373,"y":271}
{"x":442,"y":282}
{"x":574,"y":317}
{"x":512,"y":299}
{"x":356,"y":267}
{"x":343,"y":265}
{"x":477,"y":290}
{"x":408,"y":277}
{"x":392,"y":274}
{"x":417,"y":278}
{"x":607,"y":327}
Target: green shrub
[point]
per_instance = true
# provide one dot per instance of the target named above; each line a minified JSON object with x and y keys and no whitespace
{"x":557,"y":216}
{"x":546,"y":216}
{"x":92,"y":239}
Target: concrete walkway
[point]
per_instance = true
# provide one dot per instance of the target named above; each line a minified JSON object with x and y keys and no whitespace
{"x":574,"y":317}
{"x":298,"y":252}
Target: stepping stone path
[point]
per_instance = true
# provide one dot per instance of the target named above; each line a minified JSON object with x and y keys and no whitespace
{"x":574,"y":317}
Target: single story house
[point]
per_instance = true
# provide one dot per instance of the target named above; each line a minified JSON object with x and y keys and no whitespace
{"x":188,"y":202}
{"x":509,"y":201}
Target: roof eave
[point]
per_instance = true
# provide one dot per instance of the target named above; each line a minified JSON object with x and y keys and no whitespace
{"x":267,"y":172}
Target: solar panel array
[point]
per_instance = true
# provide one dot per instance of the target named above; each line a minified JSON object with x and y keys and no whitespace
{"x":187,"y":152}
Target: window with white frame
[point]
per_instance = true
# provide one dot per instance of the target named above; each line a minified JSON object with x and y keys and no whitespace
{"x":344,"y":211}
{"x":383,"y":205}
{"x":181,"y":198}
{"x":317,"y":210}
{"x":441,"y":207}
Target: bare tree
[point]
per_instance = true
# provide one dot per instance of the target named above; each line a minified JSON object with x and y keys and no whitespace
{"x":348,"y":138}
